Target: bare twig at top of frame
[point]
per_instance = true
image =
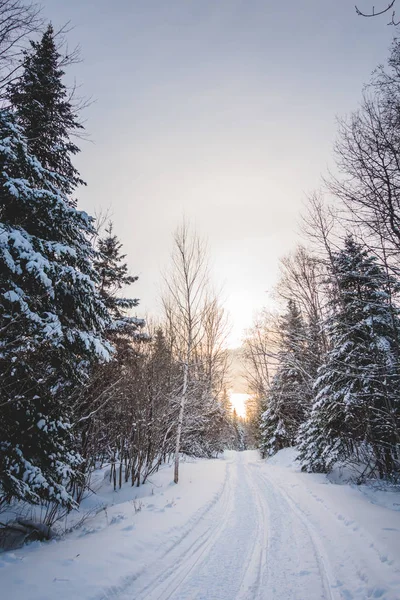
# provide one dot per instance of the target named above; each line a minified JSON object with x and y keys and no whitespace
{"x":374,"y":13}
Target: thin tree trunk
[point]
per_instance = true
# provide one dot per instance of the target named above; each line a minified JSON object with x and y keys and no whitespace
{"x":180,"y":421}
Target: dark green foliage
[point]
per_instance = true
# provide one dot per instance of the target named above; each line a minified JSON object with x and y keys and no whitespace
{"x":113,"y":274}
{"x":43,"y":109}
{"x":51,"y":321}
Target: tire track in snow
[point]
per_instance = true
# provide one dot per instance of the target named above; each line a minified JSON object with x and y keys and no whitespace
{"x":356,"y":565}
{"x":121,"y":592}
{"x":226,"y":559}
{"x":286,"y":508}
{"x":251,"y":543}
{"x":168,"y":581}
{"x":251,"y":582}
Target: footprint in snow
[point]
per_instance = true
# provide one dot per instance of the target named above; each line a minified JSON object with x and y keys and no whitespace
{"x":117,"y":519}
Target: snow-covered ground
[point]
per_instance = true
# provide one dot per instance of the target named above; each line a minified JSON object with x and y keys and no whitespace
{"x":235,"y":528}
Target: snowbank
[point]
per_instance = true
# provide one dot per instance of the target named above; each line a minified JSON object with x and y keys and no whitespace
{"x":119,"y":542}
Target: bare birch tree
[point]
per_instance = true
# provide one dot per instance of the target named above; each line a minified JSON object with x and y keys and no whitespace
{"x":185,"y":307}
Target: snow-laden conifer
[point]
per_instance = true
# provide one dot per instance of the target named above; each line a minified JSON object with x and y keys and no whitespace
{"x":357,"y":400}
{"x":288,"y":397}
{"x":43,"y":108}
{"x":51,"y":321}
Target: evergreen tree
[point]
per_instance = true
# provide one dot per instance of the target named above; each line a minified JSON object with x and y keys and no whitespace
{"x":356,"y":412}
{"x":51,"y":321}
{"x":107,"y":427}
{"x":288,"y":397}
{"x":274,"y":434}
{"x":43,"y":109}
{"x":113,"y":276}
{"x":238,"y":428}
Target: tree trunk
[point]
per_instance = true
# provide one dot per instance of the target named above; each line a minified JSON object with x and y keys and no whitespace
{"x":180,"y":421}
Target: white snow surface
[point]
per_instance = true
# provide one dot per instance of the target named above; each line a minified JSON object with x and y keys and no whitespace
{"x":234,"y":528}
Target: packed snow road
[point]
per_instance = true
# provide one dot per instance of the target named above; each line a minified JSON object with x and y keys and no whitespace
{"x":235,"y":528}
{"x":257,"y":543}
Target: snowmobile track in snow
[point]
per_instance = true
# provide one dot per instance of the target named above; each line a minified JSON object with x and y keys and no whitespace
{"x":326,"y":577}
{"x":231,"y":551}
{"x":170,"y":581}
{"x":190,"y":552}
{"x":255,"y":541}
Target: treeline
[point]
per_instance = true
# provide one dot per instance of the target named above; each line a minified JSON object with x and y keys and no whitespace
{"x":83,"y":382}
{"x":325,"y":372}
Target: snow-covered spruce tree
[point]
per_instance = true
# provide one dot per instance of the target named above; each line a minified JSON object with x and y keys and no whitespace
{"x":51,"y":321}
{"x":43,"y":108}
{"x":273,"y":432}
{"x":240,"y":443}
{"x":356,"y":413}
{"x":288,"y":397}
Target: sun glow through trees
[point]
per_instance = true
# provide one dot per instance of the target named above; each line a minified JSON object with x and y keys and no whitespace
{"x":238,"y":402}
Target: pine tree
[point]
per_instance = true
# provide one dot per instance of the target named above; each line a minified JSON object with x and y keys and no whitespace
{"x":109,"y":426}
{"x":274,"y":434}
{"x":44,"y":111}
{"x":356,"y":411}
{"x":51,"y":321}
{"x":288,"y":396}
{"x":113,"y":276}
{"x":238,"y":428}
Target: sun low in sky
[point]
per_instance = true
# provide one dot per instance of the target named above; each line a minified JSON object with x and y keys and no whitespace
{"x":238,"y":402}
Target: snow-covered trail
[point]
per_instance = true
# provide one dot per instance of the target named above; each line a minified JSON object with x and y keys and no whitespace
{"x":257,"y":542}
{"x":222,"y":555}
{"x":356,"y":543}
{"x":236,"y":528}
{"x":250,"y":545}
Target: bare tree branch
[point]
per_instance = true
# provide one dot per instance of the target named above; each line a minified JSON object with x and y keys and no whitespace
{"x":373,"y":13}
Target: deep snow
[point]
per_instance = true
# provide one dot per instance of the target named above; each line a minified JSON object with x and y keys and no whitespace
{"x":235,"y":528}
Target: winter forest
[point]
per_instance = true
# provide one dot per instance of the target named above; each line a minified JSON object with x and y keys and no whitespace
{"x":84,"y":381}
{"x":89,"y":381}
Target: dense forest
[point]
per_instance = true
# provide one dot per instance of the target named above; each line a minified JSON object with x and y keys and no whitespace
{"x":84,"y":381}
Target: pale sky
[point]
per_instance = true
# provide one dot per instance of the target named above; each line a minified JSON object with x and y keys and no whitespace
{"x":222,"y":111}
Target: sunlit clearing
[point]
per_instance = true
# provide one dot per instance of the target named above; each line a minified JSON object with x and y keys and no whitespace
{"x":238,"y":402}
